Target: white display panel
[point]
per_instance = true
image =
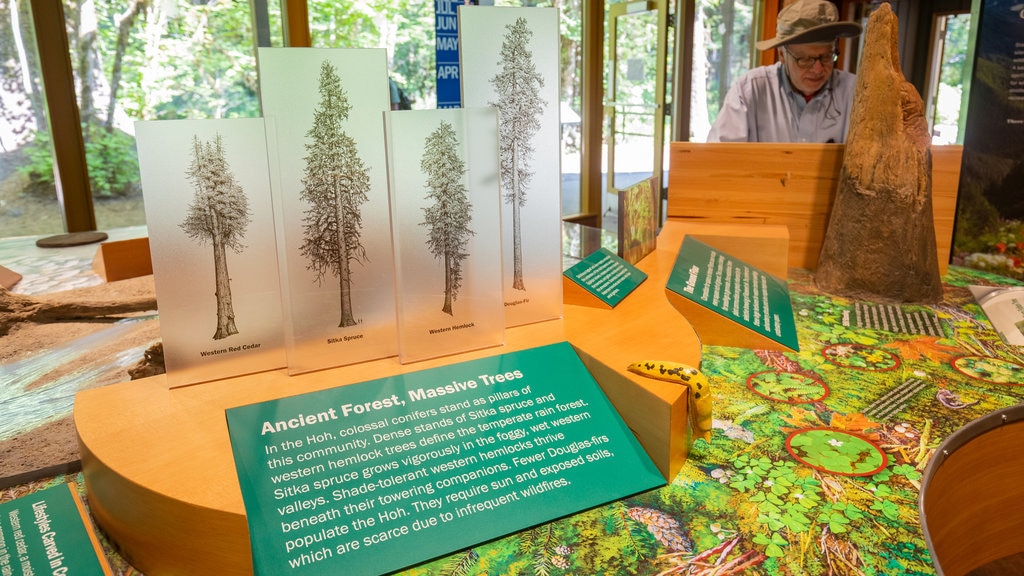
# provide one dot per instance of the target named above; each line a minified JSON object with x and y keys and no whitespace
{"x":443,"y":167}
{"x":509,"y":60}
{"x":324,"y":110}
{"x":211,"y":235}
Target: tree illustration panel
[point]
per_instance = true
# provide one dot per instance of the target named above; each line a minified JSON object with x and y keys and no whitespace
{"x":509,"y":61}
{"x":324,"y":109}
{"x":206,"y":186}
{"x":443,"y":171}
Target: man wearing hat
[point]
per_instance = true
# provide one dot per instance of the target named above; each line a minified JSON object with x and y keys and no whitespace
{"x":800,"y":98}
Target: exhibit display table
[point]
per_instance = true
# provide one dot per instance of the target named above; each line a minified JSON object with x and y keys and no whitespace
{"x":158,"y":465}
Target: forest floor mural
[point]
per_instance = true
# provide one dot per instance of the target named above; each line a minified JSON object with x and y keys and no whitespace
{"x":816,"y":458}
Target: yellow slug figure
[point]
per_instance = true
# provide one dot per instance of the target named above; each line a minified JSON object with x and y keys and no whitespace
{"x":686,"y":375}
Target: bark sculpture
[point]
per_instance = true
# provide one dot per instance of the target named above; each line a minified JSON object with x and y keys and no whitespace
{"x":880,"y":242}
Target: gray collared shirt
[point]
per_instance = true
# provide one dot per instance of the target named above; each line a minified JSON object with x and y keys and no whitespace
{"x":762,"y":106}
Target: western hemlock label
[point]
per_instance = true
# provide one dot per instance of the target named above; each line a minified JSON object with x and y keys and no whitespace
{"x":606,"y":276}
{"x":374,"y":477}
{"x":734,"y":289}
{"x":45,"y":532}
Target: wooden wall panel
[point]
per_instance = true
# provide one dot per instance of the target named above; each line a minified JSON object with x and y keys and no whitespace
{"x":791,"y":184}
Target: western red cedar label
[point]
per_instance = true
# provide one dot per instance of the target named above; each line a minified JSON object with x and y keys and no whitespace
{"x":374,"y":477}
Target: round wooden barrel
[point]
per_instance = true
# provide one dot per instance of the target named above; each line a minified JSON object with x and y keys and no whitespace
{"x":972,"y":494}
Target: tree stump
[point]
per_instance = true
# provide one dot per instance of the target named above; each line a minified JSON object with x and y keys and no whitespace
{"x":880,"y":241}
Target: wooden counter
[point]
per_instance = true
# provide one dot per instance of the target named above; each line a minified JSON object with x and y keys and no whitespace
{"x":158,"y":466}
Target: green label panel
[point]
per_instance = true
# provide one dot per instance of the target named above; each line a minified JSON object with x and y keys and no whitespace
{"x":44,"y":533}
{"x":734,"y":289}
{"x":373,"y":477}
{"x":606,"y":276}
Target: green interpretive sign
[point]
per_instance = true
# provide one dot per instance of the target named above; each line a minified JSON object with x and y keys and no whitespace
{"x":47,"y":532}
{"x":606,"y":276}
{"x":734,"y":289}
{"x":373,"y":477}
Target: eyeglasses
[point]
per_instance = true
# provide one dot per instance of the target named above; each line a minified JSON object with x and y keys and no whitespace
{"x":805,"y":62}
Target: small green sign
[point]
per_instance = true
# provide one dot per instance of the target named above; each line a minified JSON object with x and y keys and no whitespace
{"x":734,"y":289}
{"x":45,"y":533}
{"x":606,"y":276}
{"x":374,"y":477}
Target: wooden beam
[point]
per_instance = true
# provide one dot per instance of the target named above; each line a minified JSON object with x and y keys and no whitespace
{"x":682,"y":78}
{"x":771,"y":18}
{"x":593,"y":108}
{"x":70,"y":171}
{"x":296,"y":24}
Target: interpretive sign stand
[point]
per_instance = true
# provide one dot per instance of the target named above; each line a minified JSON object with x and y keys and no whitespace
{"x":211,"y":229}
{"x":446,"y":221}
{"x":373,"y":477}
{"x":48,"y":532}
{"x":729,"y":302}
{"x":505,"y":58}
{"x":601,"y":279}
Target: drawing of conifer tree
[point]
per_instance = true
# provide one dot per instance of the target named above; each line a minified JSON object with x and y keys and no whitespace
{"x":335,"y":185}
{"x":218,"y":214}
{"x":448,"y":217}
{"x":519,"y":106}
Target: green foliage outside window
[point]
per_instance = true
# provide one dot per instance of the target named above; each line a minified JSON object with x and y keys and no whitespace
{"x":112,"y":160}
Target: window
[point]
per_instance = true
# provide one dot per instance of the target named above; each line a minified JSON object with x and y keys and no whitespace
{"x":945,"y":100}
{"x":723,"y":50}
{"x":28,"y":199}
{"x":139,"y":60}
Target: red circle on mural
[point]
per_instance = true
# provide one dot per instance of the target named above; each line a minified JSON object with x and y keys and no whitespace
{"x":808,"y":447}
{"x":989,"y":369}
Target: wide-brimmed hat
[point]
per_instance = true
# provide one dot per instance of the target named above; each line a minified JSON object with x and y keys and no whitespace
{"x":807,"y":22}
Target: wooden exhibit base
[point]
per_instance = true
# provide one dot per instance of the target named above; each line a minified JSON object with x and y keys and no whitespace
{"x":123,"y":259}
{"x":159,"y":471}
{"x":764,"y":247}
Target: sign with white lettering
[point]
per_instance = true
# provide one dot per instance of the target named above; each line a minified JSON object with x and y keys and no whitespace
{"x":48,"y":532}
{"x":731,"y":288}
{"x":374,"y":477}
{"x":606,"y":276}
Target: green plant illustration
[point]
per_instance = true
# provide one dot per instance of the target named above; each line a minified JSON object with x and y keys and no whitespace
{"x":744,"y":503}
{"x":787,"y":387}
{"x":836,"y":452}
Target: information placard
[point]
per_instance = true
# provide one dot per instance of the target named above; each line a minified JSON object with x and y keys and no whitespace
{"x":735,"y":290}
{"x":373,"y":477}
{"x":606,"y":276}
{"x":47,"y":532}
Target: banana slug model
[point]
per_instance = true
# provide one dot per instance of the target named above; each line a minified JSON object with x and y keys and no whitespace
{"x":693,"y":379}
